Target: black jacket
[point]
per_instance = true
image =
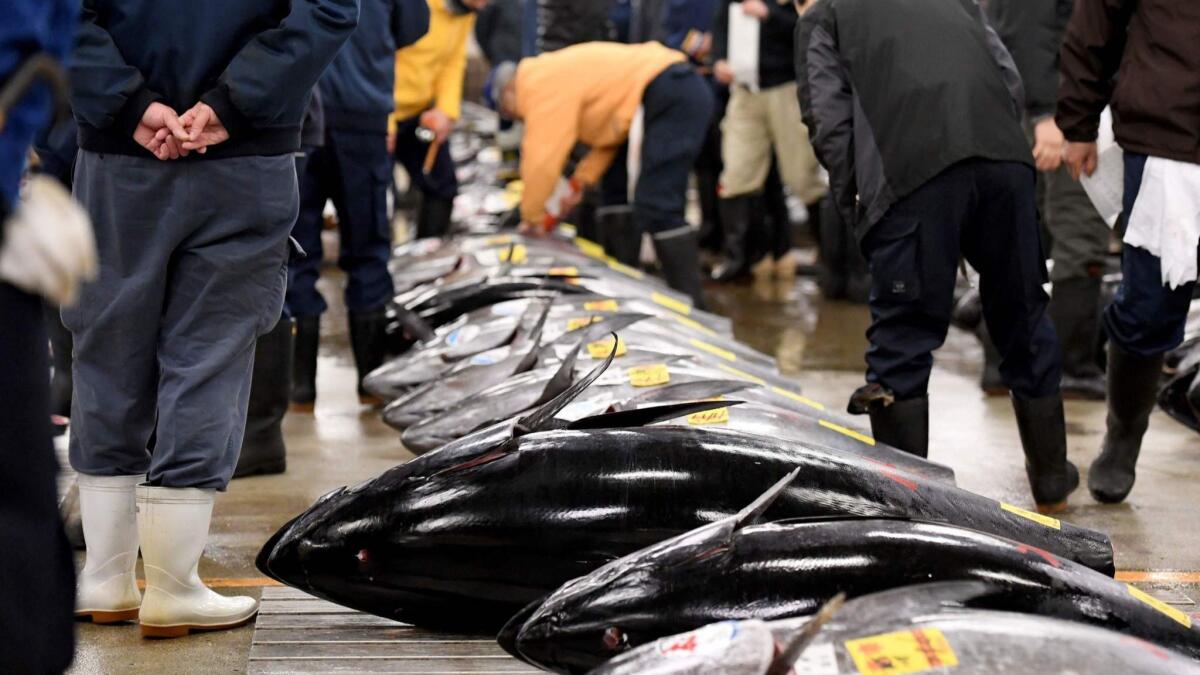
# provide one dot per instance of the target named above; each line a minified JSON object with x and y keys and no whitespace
{"x":253,"y":61}
{"x":1033,"y":32}
{"x":776,"y":41}
{"x":896,"y":91}
{"x":562,"y":23}
{"x":498,"y":31}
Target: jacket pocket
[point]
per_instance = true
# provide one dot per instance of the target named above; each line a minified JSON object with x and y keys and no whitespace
{"x":894,"y":250}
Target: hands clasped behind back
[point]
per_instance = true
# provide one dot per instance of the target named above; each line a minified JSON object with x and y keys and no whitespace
{"x":169,"y":135}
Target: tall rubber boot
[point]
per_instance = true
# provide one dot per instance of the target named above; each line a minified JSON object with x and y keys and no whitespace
{"x":107,"y":591}
{"x":1075,"y":311}
{"x":736,"y":213}
{"x":622,"y":238}
{"x":173,"y":526}
{"x":433,"y":218}
{"x":368,"y":341}
{"x":678,"y":252}
{"x":304,"y":363}
{"x":1044,"y":438}
{"x":263,"y":450}
{"x":903,"y":425}
{"x":1132,"y":386}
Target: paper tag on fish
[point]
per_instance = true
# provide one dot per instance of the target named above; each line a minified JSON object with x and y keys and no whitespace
{"x":498,"y":240}
{"x":649,"y":376}
{"x":601,"y":306}
{"x":513,"y":254}
{"x":817,"y":659}
{"x":715,"y":416}
{"x":909,"y":651}
{"x":1176,"y":614}
{"x":577,"y":322}
{"x":602,"y":348}
{"x":708,"y":641}
{"x":563,"y":272}
{"x":1035,"y":517}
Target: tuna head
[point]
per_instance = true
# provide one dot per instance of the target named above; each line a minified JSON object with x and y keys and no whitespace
{"x":574,"y":625}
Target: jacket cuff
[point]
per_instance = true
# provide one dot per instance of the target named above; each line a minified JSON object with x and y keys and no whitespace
{"x":235,"y":122}
{"x":130,"y":115}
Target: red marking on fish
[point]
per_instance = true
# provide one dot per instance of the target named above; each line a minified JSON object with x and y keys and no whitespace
{"x":1045,"y":555}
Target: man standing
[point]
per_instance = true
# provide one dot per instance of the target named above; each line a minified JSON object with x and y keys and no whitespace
{"x":193,"y":264}
{"x":353,"y":168}
{"x":928,"y":169}
{"x":601,"y":111}
{"x":1143,"y":58}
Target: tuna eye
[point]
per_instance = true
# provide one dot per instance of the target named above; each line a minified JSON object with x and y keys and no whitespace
{"x":614,"y":639}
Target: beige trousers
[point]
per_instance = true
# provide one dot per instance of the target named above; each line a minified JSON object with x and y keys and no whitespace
{"x":757,"y":123}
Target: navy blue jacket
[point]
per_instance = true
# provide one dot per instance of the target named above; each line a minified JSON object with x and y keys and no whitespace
{"x":253,"y":61}
{"x":356,"y":89}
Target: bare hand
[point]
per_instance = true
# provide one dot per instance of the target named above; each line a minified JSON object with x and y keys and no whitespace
{"x":723,"y":72}
{"x":531,"y":229}
{"x":438,"y":122}
{"x":158,"y":123}
{"x":755,"y":8}
{"x":1082,"y":159}
{"x":1048,"y":145}
{"x":391,"y":142}
{"x":202,"y":128}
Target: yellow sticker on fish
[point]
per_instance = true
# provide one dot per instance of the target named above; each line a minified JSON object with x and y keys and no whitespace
{"x":577,"y":322}
{"x":563,"y":272}
{"x":1176,"y":614}
{"x":601,"y":306}
{"x":908,"y":651}
{"x":714,"y":416}
{"x":600,"y":349}
{"x":649,"y":376}
{"x":498,"y":240}
{"x":513,"y":254}
{"x":1035,"y":517}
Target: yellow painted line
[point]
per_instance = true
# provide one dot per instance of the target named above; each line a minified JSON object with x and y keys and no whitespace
{"x":1150,"y":577}
{"x":742,"y":374}
{"x":628,"y":271}
{"x":590,"y":248}
{"x":671,"y":304}
{"x":231,"y":582}
{"x":713,"y":349}
{"x":798,"y":398}
{"x":693,"y":324}
{"x":848,"y":432}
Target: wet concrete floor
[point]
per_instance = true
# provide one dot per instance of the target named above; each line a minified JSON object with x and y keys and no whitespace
{"x":817,"y":342}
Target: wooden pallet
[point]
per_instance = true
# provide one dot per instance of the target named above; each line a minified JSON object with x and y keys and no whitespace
{"x":297,"y":633}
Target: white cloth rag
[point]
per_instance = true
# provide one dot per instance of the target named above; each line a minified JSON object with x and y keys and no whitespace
{"x":1166,"y":218}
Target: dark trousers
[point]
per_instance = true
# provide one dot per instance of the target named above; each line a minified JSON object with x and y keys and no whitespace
{"x":193,"y":262}
{"x":985,"y":211}
{"x":1146,"y":317}
{"x":37,"y":575}
{"x":678,"y":106}
{"x":354,"y":171}
{"x":442,"y":181}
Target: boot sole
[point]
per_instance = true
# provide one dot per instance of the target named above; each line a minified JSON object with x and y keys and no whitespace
{"x":1051,"y":509}
{"x":302,"y":407}
{"x":167,"y":632}
{"x":102,"y":617}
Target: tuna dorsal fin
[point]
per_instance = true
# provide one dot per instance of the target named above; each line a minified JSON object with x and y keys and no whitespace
{"x":690,"y":391}
{"x":541,"y":418}
{"x":625,"y":419}
{"x":563,"y":377}
{"x":782,"y":663}
{"x":755,"y":510}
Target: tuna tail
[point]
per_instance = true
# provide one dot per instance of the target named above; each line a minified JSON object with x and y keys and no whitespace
{"x":690,"y":391}
{"x":782,"y":663}
{"x":755,"y":510}
{"x":542,"y":418}
{"x":642,"y":417}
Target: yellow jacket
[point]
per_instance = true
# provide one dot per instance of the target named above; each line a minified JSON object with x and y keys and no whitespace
{"x":587,"y":93}
{"x":430,"y":71}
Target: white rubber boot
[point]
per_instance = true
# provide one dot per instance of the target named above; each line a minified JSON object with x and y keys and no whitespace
{"x":106,"y":590}
{"x":173,"y":524}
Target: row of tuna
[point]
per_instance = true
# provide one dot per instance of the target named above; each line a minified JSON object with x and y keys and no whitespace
{"x":608,"y":481}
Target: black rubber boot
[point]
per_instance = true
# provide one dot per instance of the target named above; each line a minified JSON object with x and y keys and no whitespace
{"x":433,"y":218}
{"x":736,"y":213}
{"x":304,"y":363}
{"x":368,"y":341}
{"x":263,"y":451}
{"x":1132,"y":386}
{"x":678,"y":252}
{"x":903,"y":425}
{"x":1075,"y":311}
{"x":621,"y":237}
{"x":1044,"y":438}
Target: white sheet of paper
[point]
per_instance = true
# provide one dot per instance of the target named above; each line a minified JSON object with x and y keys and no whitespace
{"x":743,"y":46}
{"x":1106,"y":187}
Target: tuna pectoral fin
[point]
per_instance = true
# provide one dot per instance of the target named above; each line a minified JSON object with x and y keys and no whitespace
{"x":782,"y":663}
{"x":534,"y":340}
{"x":624,"y":419}
{"x":542,"y":418}
{"x":562,"y":379}
{"x":751,"y":514}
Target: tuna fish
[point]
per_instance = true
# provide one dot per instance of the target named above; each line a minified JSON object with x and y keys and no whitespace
{"x":737,"y":569}
{"x":1180,"y":396}
{"x":878,"y":632}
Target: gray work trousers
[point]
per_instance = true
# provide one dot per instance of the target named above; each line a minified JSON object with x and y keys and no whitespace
{"x":193,"y":264}
{"x":1078,"y":235}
